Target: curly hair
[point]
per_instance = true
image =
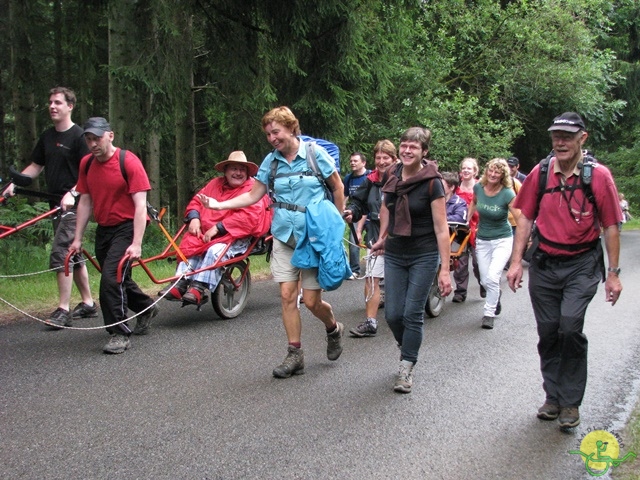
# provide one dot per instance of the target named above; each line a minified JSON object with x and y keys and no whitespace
{"x":284,"y":116}
{"x":501,"y":165}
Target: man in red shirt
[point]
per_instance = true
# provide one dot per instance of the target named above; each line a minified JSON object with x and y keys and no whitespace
{"x":115,"y":189}
{"x":568,"y":263}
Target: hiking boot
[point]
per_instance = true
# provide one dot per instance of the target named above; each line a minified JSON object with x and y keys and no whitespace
{"x":58,"y":319}
{"x":487,"y":322}
{"x":195,"y":295}
{"x":548,"y":411}
{"x":117,"y":344}
{"x":83,"y":310}
{"x":404,"y":380}
{"x":365,"y":329}
{"x":499,"y":305}
{"x":334,"y":342}
{"x":293,"y":364}
{"x":483,"y":292}
{"x":569,"y":417}
{"x":459,"y":298}
{"x":143,"y":321}
{"x":175,"y":292}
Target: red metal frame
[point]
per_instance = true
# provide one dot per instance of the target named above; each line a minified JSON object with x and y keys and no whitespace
{"x":170,"y":252}
{"x":6,"y":231}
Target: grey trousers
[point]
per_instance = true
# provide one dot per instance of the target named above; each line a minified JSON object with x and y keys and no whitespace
{"x":561,"y":290}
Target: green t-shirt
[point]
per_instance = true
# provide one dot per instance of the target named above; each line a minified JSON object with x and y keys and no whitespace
{"x":493,"y":212}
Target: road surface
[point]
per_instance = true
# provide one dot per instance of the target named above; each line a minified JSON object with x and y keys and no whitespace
{"x":195,"y":399}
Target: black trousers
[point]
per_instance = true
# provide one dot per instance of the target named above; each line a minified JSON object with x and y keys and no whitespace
{"x":561,"y":291}
{"x":116,"y":298}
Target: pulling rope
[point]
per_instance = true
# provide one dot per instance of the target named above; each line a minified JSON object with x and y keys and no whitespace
{"x":92,"y":328}
{"x":41,"y":271}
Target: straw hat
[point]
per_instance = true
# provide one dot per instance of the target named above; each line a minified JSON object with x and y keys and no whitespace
{"x":239,"y":158}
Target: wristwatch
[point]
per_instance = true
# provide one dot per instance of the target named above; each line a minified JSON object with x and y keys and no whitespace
{"x":615,"y":271}
{"x":74,"y":193}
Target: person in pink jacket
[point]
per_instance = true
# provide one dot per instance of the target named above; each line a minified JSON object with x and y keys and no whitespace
{"x":210,"y":231}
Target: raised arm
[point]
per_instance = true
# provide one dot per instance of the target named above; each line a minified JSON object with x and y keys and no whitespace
{"x":249,"y":198}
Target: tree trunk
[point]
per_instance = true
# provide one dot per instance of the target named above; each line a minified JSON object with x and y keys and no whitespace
{"x":127,"y":97}
{"x":186,"y":168}
{"x":22,"y":81}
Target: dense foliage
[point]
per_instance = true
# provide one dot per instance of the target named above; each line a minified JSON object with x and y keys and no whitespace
{"x":186,"y":82}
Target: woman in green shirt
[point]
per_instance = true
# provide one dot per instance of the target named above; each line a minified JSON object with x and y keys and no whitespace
{"x":493,"y":199}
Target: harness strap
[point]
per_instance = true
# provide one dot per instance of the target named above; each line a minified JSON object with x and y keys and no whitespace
{"x":288,"y":206}
{"x":569,"y":248}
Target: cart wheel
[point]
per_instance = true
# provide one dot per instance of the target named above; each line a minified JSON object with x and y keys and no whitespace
{"x":227,"y":301}
{"x":435,"y":301}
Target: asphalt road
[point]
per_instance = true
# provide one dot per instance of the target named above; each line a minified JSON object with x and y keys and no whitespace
{"x":195,"y":399}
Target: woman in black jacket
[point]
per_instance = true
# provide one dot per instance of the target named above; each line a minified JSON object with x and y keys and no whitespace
{"x":366,"y":201}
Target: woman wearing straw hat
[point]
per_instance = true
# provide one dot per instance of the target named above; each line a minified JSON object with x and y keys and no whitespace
{"x":211,"y":230}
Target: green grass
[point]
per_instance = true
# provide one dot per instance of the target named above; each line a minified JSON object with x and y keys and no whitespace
{"x":23,"y":253}
{"x":631,"y":437}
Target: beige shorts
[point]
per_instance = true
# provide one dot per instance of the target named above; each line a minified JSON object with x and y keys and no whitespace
{"x":283,"y":271}
{"x":375,"y":266}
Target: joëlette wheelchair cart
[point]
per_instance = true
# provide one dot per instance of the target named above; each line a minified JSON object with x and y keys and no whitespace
{"x":459,"y":234}
{"x":231,"y":295}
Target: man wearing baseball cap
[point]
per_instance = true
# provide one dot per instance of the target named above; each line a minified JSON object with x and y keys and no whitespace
{"x":565,"y":265}
{"x":113,"y":184}
{"x":514,"y":164}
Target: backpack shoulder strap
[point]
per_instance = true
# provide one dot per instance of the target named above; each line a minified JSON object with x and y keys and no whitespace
{"x":89,"y":162}
{"x":121,"y":157}
{"x":543,"y":171}
{"x":312,"y":163}
{"x":123,"y":170}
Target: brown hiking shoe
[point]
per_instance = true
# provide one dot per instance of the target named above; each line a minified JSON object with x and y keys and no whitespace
{"x":569,"y":417}
{"x":293,"y":364}
{"x":548,"y":411}
{"x":334,"y":342}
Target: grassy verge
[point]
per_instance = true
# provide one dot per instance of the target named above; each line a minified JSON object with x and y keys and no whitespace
{"x":631,"y":437}
{"x":631,"y":434}
{"x":38,"y":294}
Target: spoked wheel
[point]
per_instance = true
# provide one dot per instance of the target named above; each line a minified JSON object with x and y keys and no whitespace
{"x":435,"y":301}
{"x":232,"y":293}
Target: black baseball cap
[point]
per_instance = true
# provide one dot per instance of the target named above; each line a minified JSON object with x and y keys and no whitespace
{"x":97,"y":125}
{"x":513,"y":161}
{"x":568,"y":122}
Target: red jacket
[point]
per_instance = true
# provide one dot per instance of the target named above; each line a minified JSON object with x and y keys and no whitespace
{"x":251,"y":221}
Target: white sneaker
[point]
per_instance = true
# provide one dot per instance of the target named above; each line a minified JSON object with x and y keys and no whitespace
{"x":404,"y":380}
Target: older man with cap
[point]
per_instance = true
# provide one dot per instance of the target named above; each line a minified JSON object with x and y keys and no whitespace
{"x":514,"y":164}
{"x":566,"y":260}
{"x":210,"y":230}
{"x":113,"y":184}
